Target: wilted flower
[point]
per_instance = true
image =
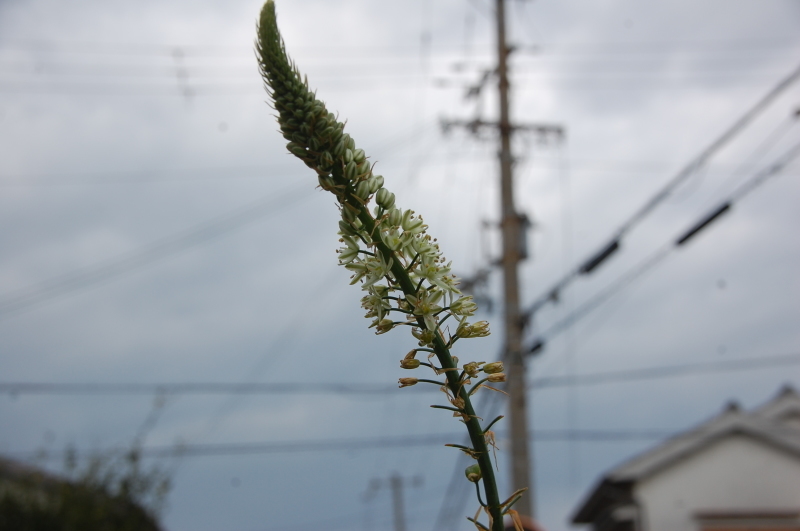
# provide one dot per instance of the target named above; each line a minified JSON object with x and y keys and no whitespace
{"x":466,"y":330}
{"x":494,"y":367}
{"x":407,"y":382}
{"x":409,"y":364}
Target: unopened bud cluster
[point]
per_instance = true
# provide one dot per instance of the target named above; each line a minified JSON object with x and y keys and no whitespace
{"x":318,"y":139}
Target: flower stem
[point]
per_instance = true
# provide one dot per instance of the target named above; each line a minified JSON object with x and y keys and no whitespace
{"x":476,"y":434}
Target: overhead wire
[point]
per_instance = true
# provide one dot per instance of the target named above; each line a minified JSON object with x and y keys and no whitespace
{"x":665,"y":250}
{"x":612,"y":245}
{"x":166,"y":389}
{"x":405,"y":441}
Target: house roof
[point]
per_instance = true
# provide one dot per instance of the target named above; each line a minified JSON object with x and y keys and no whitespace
{"x":776,"y":423}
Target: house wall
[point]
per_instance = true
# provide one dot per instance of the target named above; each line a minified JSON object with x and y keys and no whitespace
{"x":737,"y":473}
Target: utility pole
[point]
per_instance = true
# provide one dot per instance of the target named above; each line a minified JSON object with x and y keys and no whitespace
{"x":510,"y":226}
{"x":513,"y":227}
{"x":395,"y":483}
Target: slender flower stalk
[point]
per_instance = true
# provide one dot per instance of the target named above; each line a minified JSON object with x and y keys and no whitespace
{"x":401,"y":269}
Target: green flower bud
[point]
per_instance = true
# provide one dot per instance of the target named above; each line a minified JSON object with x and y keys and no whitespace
{"x":373,"y":184}
{"x":326,"y":182}
{"x":378,"y":181}
{"x":340,"y":148}
{"x":363,"y":167}
{"x":395,"y":216}
{"x":350,"y":171}
{"x":409,"y":364}
{"x":348,"y":156}
{"x":385,"y":198}
{"x":362,"y":189}
{"x":326,"y":159}
{"x":359,"y":155}
{"x":324,"y":134}
{"x":473,"y":473}
{"x":297,"y":150}
{"x":351,"y":143}
{"x":493,"y":368}
{"x":348,"y":215}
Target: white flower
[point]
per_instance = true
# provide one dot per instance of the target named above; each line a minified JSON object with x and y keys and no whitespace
{"x":375,"y":303}
{"x":377,"y":269}
{"x":425,"y":306}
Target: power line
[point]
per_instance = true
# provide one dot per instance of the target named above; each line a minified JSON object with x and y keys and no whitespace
{"x":660,"y":254}
{"x":613,"y":244}
{"x":228,"y":51}
{"x":578,"y":81}
{"x":669,"y":371}
{"x":23,"y":299}
{"x":361,"y":389}
{"x":368,"y":443}
{"x":106,"y":178}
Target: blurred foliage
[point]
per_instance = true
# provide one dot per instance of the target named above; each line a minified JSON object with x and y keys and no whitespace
{"x":111,"y":492}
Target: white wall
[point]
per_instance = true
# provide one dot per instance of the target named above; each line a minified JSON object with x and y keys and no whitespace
{"x":737,"y":473}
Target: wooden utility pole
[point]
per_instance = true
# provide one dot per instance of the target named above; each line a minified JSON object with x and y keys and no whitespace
{"x":513,"y":228}
{"x":510,"y":223}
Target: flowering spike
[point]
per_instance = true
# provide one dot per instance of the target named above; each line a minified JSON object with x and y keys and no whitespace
{"x":387,"y":250}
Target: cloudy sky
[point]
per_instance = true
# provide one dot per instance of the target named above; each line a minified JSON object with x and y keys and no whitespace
{"x":153,"y":230}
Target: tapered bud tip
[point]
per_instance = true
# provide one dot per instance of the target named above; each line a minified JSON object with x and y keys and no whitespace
{"x":473,"y":473}
{"x":493,"y":368}
{"x":407,"y":382}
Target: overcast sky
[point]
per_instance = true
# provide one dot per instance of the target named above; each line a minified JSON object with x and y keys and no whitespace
{"x":153,"y":230}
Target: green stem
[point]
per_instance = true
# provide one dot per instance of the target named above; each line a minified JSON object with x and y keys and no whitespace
{"x":446,"y":361}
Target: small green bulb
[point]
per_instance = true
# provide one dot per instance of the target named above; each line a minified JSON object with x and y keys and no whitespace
{"x":473,"y":473}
